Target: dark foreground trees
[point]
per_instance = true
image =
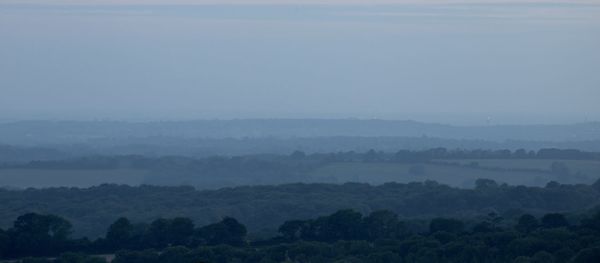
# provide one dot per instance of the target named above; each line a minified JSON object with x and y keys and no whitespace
{"x":344,"y":236}
{"x":267,"y":207}
{"x":35,"y":235}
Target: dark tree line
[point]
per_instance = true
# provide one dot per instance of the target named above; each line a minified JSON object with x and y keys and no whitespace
{"x":38,"y":235}
{"x":344,"y":236}
{"x":298,"y":159}
{"x":179,"y":231}
{"x":267,"y":207}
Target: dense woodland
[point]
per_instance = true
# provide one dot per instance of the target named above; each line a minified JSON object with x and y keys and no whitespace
{"x":344,"y":236}
{"x":305,"y":222}
{"x":263,"y":208}
{"x":298,"y":158}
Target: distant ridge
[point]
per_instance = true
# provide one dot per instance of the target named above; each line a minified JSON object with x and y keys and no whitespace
{"x":26,"y":132}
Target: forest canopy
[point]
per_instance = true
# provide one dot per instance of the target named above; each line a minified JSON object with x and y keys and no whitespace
{"x":344,"y":236}
{"x":263,"y":208}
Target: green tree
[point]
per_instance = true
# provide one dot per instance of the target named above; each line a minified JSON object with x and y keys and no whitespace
{"x":485,"y":184}
{"x":592,"y":223}
{"x":446,"y":224}
{"x":542,"y":257}
{"x":587,"y":255}
{"x":527,"y":223}
{"x":341,"y":225}
{"x":177,"y":254}
{"x":180,"y":230}
{"x":35,"y":260}
{"x":158,"y":233}
{"x":298,"y":155}
{"x":146,"y":256}
{"x":4,"y":243}
{"x":292,"y":230}
{"x":229,"y":231}
{"x":384,"y":257}
{"x":78,"y":258}
{"x":384,"y":224}
{"x":553,"y":220}
{"x":39,"y":235}
{"x":119,"y":234}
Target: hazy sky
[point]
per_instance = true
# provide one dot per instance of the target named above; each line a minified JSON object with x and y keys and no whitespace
{"x":445,"y":61}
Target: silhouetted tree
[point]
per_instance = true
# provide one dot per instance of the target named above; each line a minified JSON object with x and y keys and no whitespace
{"x":372,"y":156}
{"x":341,"y":225}
{"x":180,"y":230}
{"x":158,"y":233}
{"x":527,"y":223}
{"x":4,"y":243}
{"x":119,"y":234}
{"x":587,"y":255}
{"x":229,"y":231}
{"x":292,"y":230}
{"x":383,"y":224}
{"x":446,"y":224}
{"x":39,"y":235}
{"x":554,"y":220}
{"x":298,"y":155}
{"x":78,"y":258}
{"x":483,"y":184}
{"x":146,"y":256}
{"x":593,"y":222}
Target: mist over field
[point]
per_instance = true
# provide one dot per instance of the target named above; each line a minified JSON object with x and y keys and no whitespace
{"x":263,"y":131}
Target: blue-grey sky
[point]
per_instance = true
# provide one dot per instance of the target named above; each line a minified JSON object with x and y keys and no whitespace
{"x":531,"y":61}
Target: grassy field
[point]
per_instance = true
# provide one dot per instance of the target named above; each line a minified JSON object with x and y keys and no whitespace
{"x":586,"y":167}
{"x":460,"y":176}
{"x":374,"y":173}
{"x":40,"y":178}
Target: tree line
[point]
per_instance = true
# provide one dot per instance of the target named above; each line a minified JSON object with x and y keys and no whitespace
{"x":298,"y":159}
{"x":344,"y":236}
{"x":41,"y":235}
{"x":264,"y":208}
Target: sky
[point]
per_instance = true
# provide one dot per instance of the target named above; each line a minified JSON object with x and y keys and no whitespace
{"x":458,"y":61}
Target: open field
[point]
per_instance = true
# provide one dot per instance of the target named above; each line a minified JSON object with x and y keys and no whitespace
{"x":460,"y":176}
{"x":459,"y":173}
{"x":42,"y":178}
{"x":587,"y":167}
